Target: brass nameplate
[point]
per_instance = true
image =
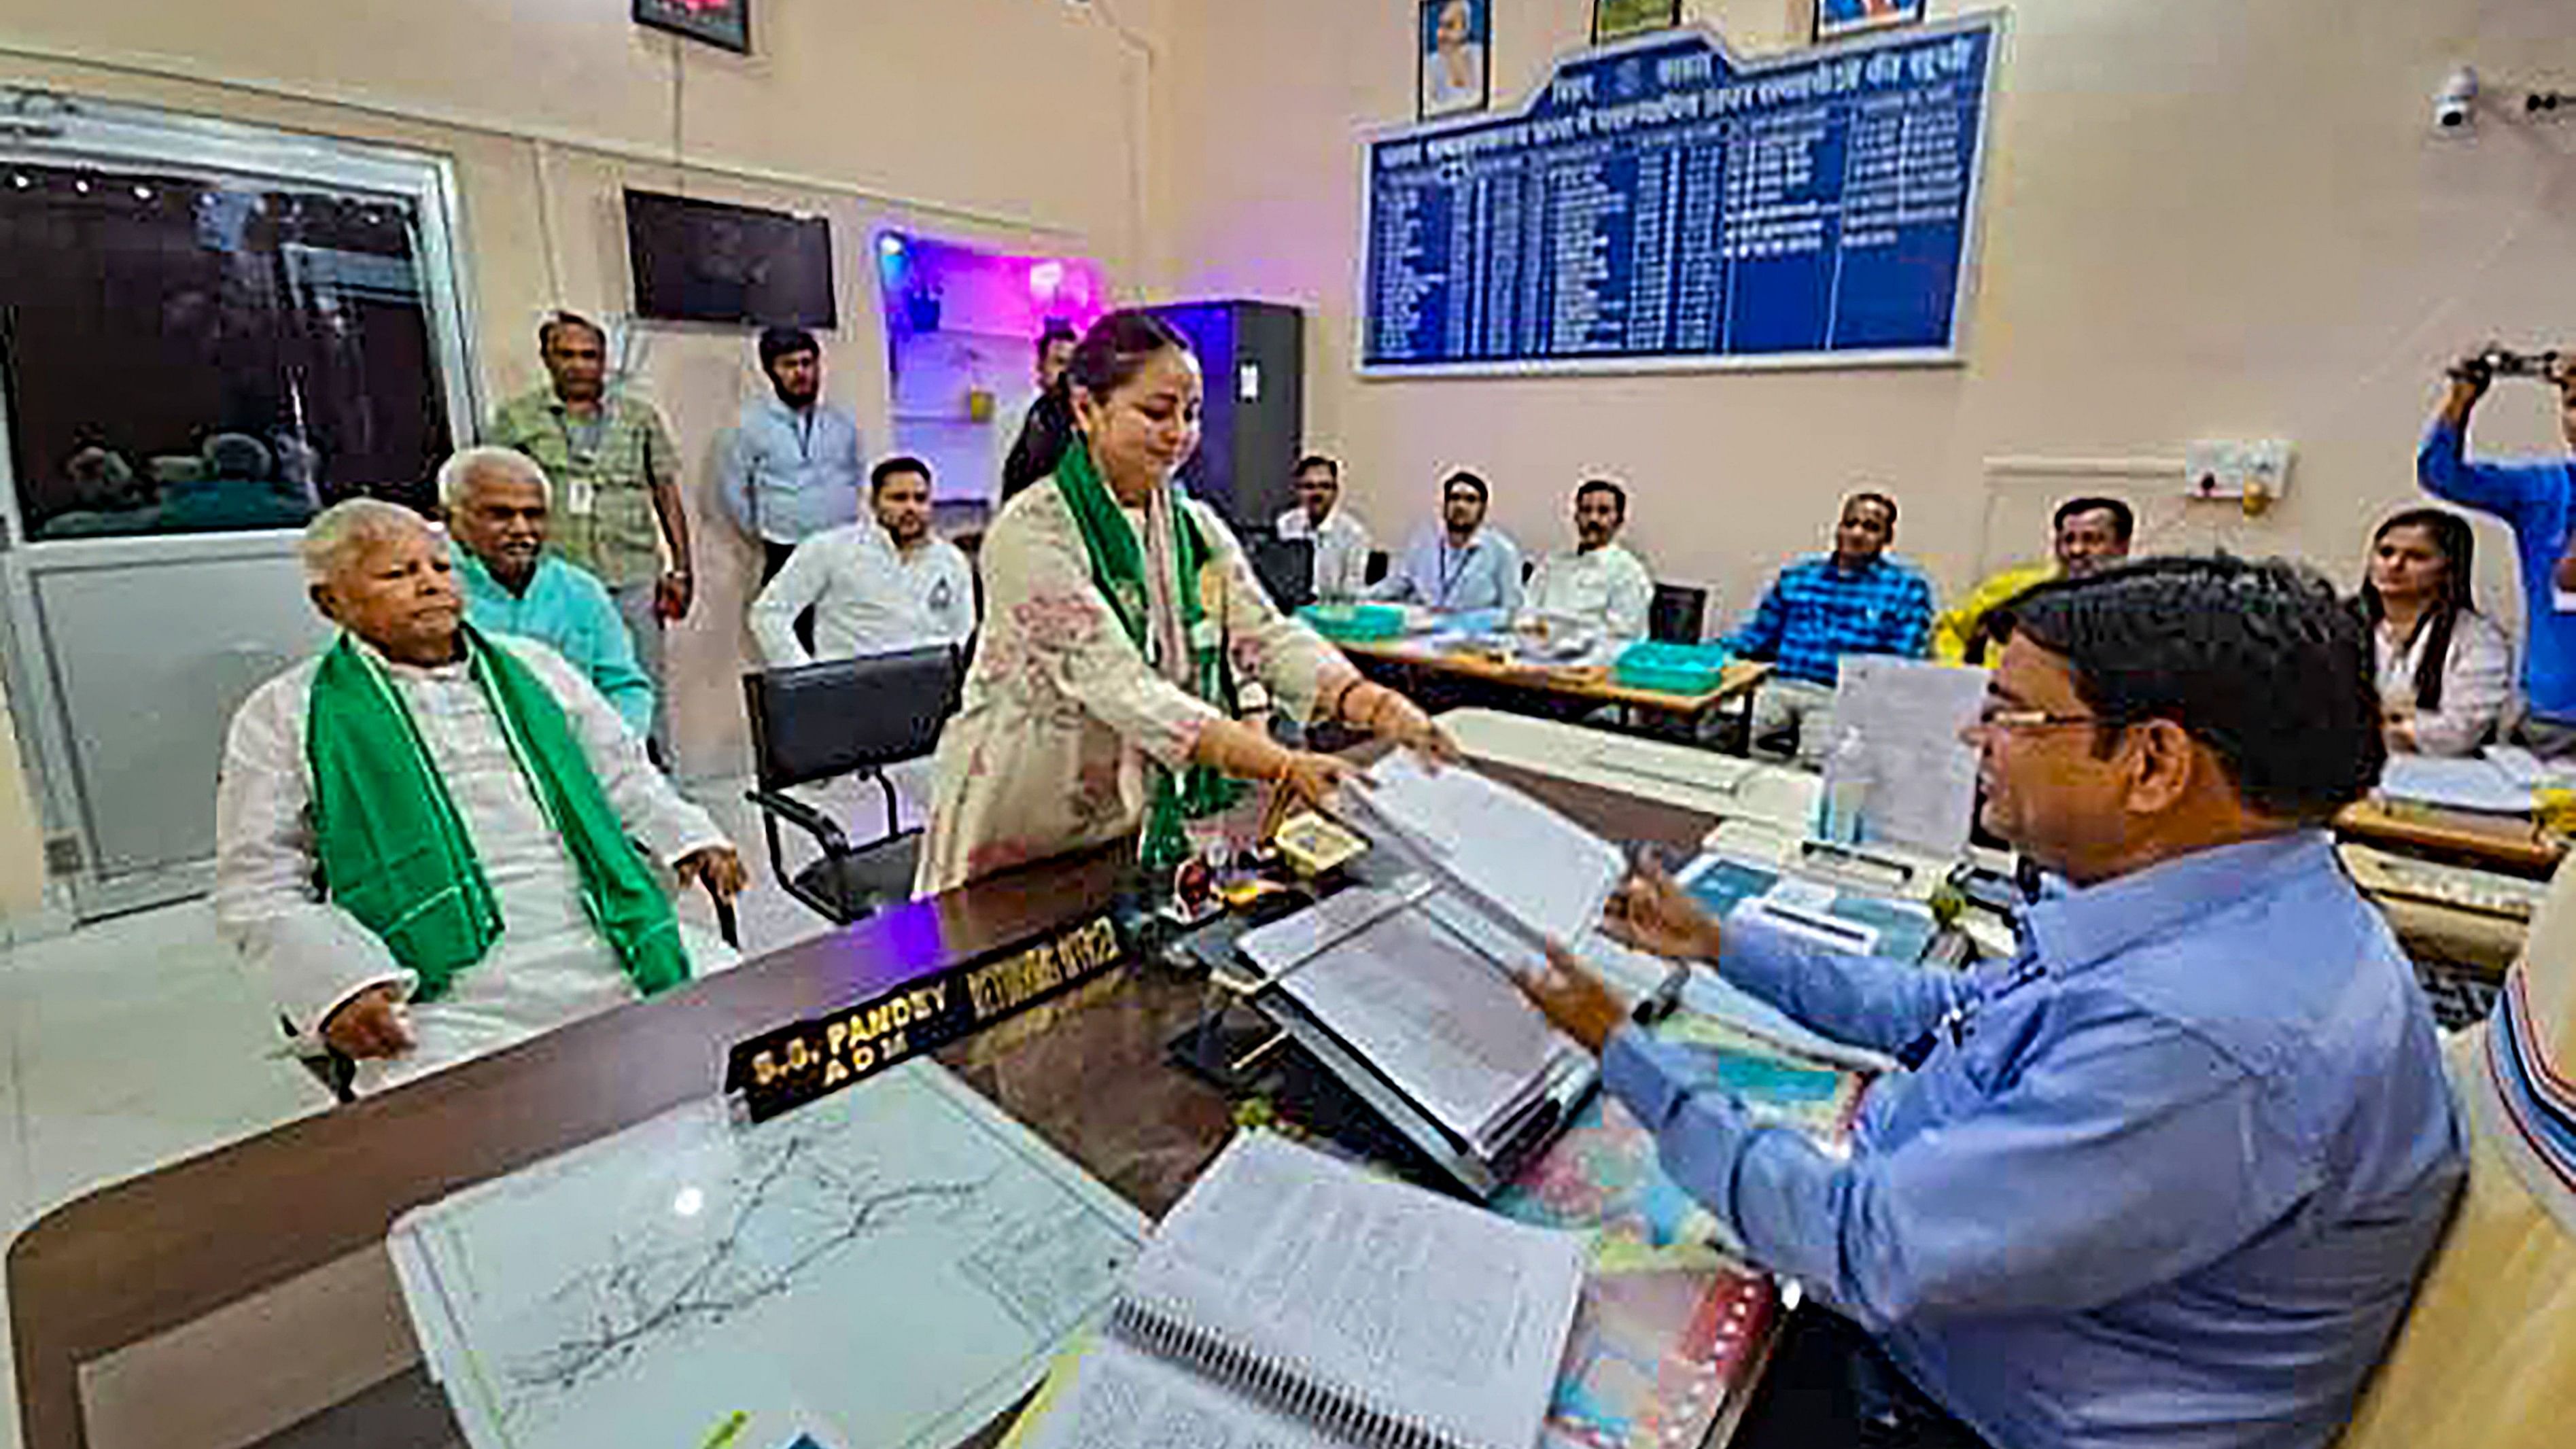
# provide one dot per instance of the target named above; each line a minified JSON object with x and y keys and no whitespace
{"x":790,"y":1066}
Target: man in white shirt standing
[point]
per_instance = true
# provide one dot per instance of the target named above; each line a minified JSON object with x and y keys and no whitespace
{"x":427,"y":839}
{"x":1342,"y":543}
{"x":876,"y":586}
{"x":1600,"y":589}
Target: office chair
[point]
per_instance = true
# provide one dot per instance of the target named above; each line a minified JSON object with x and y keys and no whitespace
{"x":1285,"y":566}
{"x":1378,"y":563}
{"x":844,"y":717}
{"x":338,"y":1073}
{"x":1679,"y":614}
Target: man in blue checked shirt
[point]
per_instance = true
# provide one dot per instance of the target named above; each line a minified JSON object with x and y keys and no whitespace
{"x":1855,"y":600}
{"x":2166,"y":1177}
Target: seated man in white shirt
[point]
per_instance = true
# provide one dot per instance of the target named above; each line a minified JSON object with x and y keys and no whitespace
{"x":427,"y":839}
{"x":1342,"y":543}
{"x":879,"y":585}
{"x":1600,"y":591}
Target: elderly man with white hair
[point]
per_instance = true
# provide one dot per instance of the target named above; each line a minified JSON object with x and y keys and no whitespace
{"x":433,"y":842}
{"x":499,"y":505}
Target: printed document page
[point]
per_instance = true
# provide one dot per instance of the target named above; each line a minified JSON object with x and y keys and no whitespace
{"x":1418,"y":1303}
{"x":1533,"y":869}
{"x":1436,"y":1018}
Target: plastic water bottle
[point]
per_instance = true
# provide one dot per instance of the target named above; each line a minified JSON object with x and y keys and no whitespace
{"x":1846,"y":794}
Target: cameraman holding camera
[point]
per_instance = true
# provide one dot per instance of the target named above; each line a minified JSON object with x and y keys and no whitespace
{"x":2538,"y":498}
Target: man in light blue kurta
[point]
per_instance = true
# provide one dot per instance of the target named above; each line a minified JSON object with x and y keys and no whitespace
{"x":497,"y":505}
{"x":2168,"y":1175}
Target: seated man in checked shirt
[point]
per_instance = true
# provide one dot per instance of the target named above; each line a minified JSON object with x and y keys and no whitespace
{"x":1855,"y":600}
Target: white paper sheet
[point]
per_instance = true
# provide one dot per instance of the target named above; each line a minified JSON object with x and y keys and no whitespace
{"x":1436,"y":1018}
{"x":2471,"y":784}
{"x":894,"y":1264}
{"x":1536,"y":871}
{"x":1920,"y":778}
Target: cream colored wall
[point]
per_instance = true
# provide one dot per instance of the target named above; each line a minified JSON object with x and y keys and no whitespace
{"x":1013,"y":122}
{"x":2202,"y":218}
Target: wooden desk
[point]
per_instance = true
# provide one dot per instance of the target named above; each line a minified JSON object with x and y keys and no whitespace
{"x":294,"y":1221}
{"x":2511,"y":844}
{"x":1588,"y":684}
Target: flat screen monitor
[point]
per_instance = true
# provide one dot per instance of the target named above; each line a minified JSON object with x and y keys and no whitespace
{"x":705,"y":261}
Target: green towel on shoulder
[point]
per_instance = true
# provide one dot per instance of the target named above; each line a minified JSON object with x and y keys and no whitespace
{"x":396,"y":855}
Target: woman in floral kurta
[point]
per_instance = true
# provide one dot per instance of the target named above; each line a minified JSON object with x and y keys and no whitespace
{"x":1066,"y":719}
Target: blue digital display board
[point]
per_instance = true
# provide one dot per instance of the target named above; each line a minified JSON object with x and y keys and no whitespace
{"x":1661,"y":205}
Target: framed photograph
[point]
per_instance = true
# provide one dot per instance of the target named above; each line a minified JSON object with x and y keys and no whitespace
{"x":1454,"y":42}
{"x":1838,"y":18}
{"x":725,"y":23}
{"x":1619,"y":19}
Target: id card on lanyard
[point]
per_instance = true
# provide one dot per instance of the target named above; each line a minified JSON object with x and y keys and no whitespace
{"x":581,"y":449}
{"x":1449,"y":577}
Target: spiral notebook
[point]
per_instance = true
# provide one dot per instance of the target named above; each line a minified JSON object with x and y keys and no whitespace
{"x":1292,"y":1301}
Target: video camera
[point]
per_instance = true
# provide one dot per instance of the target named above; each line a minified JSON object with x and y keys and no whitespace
{"x":2498,"y":362}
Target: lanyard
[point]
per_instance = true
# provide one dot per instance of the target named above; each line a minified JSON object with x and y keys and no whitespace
{"x":1449,"y":577}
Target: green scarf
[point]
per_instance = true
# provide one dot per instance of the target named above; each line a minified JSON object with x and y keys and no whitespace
{"x":395,"y":853}
{"x":1118,"y":569}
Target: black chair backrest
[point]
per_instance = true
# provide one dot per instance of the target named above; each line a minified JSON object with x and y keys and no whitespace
{"x":1378,"y":564}
{"x":1679,"y":614}
{"x":1285,"y":566}
{"x":822,"y":721}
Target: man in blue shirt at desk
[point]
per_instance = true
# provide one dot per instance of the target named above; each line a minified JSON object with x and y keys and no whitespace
{"x":2533,"y":498}
{"x":1460,"y":567}
{"x":1855,"y":600}
{"x":2166,"y":1177}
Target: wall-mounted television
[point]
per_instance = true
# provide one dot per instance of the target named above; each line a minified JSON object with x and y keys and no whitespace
{"x":706,"y":261}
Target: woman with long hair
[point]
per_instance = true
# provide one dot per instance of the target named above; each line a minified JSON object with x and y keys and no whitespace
{"x":2445,"y":670}
{"x":1119,"y":617}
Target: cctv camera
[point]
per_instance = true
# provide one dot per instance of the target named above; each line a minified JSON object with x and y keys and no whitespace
{"x":2456,"y":103}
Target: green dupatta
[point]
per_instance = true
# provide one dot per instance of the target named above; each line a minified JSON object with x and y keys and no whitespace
{"x":1118,"y":570}
{"x":396,"y":855}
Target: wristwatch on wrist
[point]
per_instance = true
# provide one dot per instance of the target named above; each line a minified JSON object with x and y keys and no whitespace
{"x":1665,"y":999}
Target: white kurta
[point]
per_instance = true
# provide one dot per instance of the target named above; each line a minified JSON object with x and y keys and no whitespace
{"x":1606,"y":591}
{"x":1062,"y":713}
{"x":867,"y":596}
{"x":550,"y":965}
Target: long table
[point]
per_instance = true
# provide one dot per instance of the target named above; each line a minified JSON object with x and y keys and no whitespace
{"x":1578,"y":684}
{"x":2513,"y":844}
{"x":244,"y":1296}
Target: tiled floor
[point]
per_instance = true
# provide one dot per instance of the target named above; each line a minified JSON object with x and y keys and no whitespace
{"x":139,"y":1041}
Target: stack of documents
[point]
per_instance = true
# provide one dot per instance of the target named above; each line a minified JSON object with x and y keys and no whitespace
{"x":1530,"y":870}
{"x":1424,"y":1008}
{"x":1414,"y":980}
{"x":1293,"y":1300}
{"x":2493,"y":787}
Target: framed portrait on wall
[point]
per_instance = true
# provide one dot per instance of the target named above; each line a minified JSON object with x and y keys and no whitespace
{"x":725,"y":23}
{"x":1454,"y":42}
{"x":1619,"y":19}
{"x":1838,"y":18}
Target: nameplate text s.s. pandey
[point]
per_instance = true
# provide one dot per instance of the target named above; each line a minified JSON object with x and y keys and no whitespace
{"x":789,"y":1066}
